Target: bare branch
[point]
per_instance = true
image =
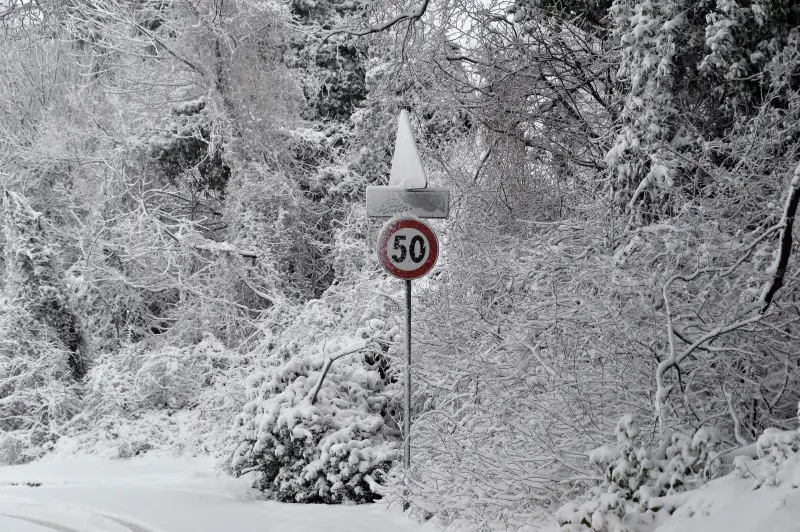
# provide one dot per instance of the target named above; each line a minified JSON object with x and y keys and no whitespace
{"x":195,"y":67}
{"x":266,"y":297}
{"x":412,"y":15}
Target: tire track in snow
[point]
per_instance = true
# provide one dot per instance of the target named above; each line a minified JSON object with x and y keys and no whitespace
{"x":130,"y":526}
{"x":45,"y":524}
{"x":62,"y":528}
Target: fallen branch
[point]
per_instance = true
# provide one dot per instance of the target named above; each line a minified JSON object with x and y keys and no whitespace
{"x":352,"y":348}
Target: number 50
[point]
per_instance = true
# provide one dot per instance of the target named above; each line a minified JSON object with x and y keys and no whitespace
{"x":416,"y":250}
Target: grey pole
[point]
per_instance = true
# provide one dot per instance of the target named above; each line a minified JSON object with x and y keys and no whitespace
{"x":407,"y":417}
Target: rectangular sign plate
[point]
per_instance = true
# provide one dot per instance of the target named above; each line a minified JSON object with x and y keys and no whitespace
{"x":385,"y":202}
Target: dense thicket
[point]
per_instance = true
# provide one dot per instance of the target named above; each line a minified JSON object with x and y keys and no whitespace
{"x":184,"y":210}
{"x":621,"y":240}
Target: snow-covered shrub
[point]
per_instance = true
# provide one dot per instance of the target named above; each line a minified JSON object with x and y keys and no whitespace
{"x":352,"y":250}
{"x":523,"y":341}
{"x":170,"y":378}
{"x":338,"y":447}
{"x":685,"y":460}
{"x":776,"y":446}
{"x":34,"y":282}
{"x":776,"y":449}
{"x":132,"y":397}
{"x":637,"y":482}
{"x":140,"y":377}
{"x":625,"y":468}
{"x":632,"y":465}
{"x":603,"y":513}
{"x":37,"y":392}
{"x":263,"y":204}
{"x":40,"y":339}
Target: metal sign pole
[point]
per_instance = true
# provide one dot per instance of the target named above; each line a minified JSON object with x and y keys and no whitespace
{"x":407,"y":420}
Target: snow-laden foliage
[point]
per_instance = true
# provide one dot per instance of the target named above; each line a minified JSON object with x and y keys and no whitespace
{"x":546,"y":366}
{"x":40,"y":339}
{"x":34,"y":282}
{"x":775,"y":449}
{"x":613,"y":247}
{"x":169,"y":378}
{"x":319,"y":425}
{"x":638,"y":482}
{"x":649,"y":33}
{"x":151,"y":397}
{"x":38,"y":395}
{"x":625,"y":183}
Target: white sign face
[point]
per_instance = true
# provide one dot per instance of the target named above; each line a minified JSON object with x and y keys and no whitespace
{"x":385,"y":202}
{"x":407,"y":248}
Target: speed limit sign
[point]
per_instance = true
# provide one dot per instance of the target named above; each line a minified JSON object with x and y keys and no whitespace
{"x":407,"y":248}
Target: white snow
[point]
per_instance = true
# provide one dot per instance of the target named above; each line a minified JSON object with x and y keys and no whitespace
{"x":164,"y":494}
{"x":407,"y":170}
{"x":733,"y":504}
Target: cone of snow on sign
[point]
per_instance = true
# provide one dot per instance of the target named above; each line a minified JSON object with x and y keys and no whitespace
{"x":407,"y":170}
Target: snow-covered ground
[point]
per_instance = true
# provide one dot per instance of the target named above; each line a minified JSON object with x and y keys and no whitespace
{"x":761,"y":502}
{"x":159,"y":494}
{"x":164,"y":494}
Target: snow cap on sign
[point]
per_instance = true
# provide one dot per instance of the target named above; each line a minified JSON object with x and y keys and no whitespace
{"x":407,"y":171}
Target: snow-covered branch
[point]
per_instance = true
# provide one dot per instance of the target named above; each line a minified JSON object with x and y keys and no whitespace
{"x":411,"y":15}
{"x":778,"y":268}
{"x":330,"y":359}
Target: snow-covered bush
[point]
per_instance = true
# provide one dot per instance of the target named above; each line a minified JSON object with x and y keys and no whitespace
{"x":523,"y":340}
{"x":776,"y":449}
{"x":638,"y":482}
{"x":776,"y":446}
{"x":37,"y":392}
{"x":140,"y":377}
{"x":40,"y":339}
{"x":34,"y":282}
{"x":625,"y":468}
{"x":684,"y":461}
{"x":149,"y":396}
{"x":335,"y":448}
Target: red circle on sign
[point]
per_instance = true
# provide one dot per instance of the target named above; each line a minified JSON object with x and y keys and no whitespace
{"x":429,"y":248}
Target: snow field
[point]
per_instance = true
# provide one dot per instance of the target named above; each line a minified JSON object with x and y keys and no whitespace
{"x":163,"y":494}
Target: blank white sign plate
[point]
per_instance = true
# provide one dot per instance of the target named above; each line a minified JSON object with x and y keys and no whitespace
{"x":385,"y":202}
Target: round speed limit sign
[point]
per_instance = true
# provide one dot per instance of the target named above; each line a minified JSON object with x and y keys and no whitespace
{"x":407,"y":248}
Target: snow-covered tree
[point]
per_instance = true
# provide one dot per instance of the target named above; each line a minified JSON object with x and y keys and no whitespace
{"x":41,"y":345}
{"x":319,"y":425}
{"x":34,"y":280}
{"x":624,"y":182}
{"x":629,"y":209}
